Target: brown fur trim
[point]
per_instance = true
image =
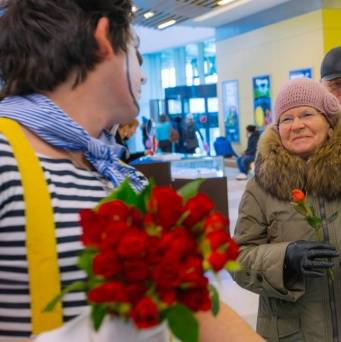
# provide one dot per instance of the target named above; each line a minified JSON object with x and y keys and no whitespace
{"x":278,"y":172}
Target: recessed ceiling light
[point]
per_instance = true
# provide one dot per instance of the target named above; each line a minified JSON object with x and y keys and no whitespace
{"x":224,"y":2}
{"x":148,"y":15}
{"x":166,"y":24}
{"x":134,"y":9}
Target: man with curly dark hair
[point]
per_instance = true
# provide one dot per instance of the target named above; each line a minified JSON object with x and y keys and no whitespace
{"x":69,"y":71}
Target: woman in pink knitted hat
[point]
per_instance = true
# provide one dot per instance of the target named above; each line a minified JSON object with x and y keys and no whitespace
{"x":280,"y":257}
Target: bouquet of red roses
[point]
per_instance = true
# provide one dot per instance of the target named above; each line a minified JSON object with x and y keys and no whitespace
{"x":146,"y":255}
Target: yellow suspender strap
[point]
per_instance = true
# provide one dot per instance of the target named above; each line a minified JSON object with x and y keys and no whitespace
{"x":41,"y":244}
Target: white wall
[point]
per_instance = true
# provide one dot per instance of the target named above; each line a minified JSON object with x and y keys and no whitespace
{"x":291,"y":44}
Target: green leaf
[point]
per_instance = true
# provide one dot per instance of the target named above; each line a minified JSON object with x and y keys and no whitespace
{"x":182,"y":323}
{"x":76,"y":286}
{"x":98,"y":312}
{"x":190,"y":189}
{"x":332,"y":217}
{"x":124,"y":192}
{"x":215,"y":300}
{"x":314,"y":221}
{"x":143,"y":196}
{"x":232,"y":266}
{"x":85,"y":260}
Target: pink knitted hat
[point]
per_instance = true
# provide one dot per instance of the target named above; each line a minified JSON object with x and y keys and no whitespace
{"x":306,"y":92}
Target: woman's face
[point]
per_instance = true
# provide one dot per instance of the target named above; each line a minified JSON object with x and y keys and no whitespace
{"x":303,"y":130}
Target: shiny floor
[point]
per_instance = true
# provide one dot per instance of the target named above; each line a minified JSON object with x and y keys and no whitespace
{"x":245,"y":303}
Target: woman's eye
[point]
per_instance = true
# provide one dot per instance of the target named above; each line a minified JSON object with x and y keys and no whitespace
{"x":286,"y":120}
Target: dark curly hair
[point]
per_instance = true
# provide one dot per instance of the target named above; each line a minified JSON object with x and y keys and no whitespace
{"x":43,"y":41}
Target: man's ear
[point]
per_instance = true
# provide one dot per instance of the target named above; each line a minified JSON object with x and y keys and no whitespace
{"x":102,"y":38}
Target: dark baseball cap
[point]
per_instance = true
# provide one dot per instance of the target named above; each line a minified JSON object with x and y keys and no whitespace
{"x":331,"y":64}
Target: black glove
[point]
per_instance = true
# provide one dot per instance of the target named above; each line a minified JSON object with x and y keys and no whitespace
{"x":307,"y":258}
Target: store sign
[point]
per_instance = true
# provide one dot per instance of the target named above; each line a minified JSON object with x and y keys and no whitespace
{"x":262,"y":100}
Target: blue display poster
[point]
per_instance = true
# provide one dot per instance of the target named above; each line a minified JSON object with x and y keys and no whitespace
{"x":231,"y":110}
{"x":299,"y":73}
{"x":262,"y":100}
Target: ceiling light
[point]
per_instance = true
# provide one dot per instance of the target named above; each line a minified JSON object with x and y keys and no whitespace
{"x":224,"y":2}
{"x":134,"y":9}
{"x":166,"y":24}
{"x":148,"y":15}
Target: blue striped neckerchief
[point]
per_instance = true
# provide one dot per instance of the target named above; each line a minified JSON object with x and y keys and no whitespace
{"x":44,"y":118}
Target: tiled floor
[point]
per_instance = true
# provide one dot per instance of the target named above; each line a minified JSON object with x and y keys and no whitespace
{"x":244,"y":302}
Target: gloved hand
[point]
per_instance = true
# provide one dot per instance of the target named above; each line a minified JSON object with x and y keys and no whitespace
{"x":307,"y":258}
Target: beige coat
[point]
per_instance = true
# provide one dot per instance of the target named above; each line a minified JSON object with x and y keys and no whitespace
{"x":310,"y":310}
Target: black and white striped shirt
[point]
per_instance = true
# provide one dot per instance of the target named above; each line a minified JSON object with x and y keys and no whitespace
{"x":71,"y":189}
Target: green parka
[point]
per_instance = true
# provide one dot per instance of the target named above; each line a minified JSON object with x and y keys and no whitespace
{"x":310,"y":310}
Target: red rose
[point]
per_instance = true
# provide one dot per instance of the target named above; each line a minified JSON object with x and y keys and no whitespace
{"x":178,"y":243}
{"x":297,"y":195}
{"x":167,"y":275}
{"x":132,"y":244}
{"x":135,"y":270}
{"x":155,"y":251}
{"x":135,"y":292}
{"x":92,"y":229}
{"x":112,"y":233}
{"x":108,"y":293}
{"x":198,"y":207}
{"x":196,"y":299}
{"x":106,"y":264}
{"x":192,"y":272}
{"x":232,"y":250}
{"x":166,"y":206}
{"x":217,"y":260}
{"x":216,"y":221}
{"x":218,"y":239}
{"x":115,"y":210}
{"x":145,"y":314}
{"x":135,"y":217}
{"x":167,"y":296}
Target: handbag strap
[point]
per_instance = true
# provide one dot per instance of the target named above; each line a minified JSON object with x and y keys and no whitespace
{"x":41,"y":246}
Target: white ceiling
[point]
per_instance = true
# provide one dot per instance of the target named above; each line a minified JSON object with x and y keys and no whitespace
{"x":198,"y":28}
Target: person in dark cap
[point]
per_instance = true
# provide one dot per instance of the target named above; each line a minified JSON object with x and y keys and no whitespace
{"x":331,"y":71}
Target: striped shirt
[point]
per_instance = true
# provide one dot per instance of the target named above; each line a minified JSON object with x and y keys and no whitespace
{"x":71,"y":189}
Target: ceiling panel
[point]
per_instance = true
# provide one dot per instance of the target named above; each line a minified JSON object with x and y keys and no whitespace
{"x":205,"y":13}
{"x":179,"y":10}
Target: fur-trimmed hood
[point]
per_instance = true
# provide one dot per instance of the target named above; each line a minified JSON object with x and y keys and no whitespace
{"x":278,"y":172}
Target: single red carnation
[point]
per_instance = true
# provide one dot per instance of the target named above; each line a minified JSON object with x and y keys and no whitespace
{"x":145,"y":314}
{"x":197,"y":207}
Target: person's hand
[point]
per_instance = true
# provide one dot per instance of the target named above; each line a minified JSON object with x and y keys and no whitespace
{"x":308,"y":258}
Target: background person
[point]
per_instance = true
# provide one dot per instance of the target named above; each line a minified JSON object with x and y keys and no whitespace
{"x":331,"y":71}
{"x":249,"y":154}
{"x":280,"y":258}
{"x":190,"y":137}
{"x":78,"y":74}
{"x":163,"y":133}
